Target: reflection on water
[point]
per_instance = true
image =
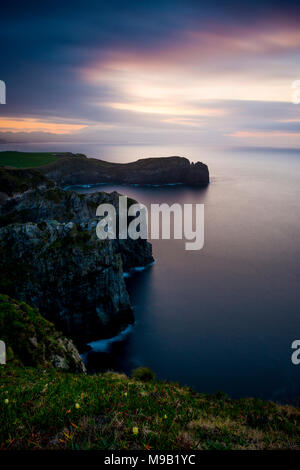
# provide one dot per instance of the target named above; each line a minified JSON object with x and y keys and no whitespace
{"x":222,"y":318}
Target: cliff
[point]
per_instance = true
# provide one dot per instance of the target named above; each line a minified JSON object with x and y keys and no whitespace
{"x":33,"y":341}
{"x":51,"y":258}
{"x":70,"y":169}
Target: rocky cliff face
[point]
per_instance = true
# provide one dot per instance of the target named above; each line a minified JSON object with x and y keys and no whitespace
{"x":69,"y":206}
{"x":72,"y":169}
{"x":51,"y":258}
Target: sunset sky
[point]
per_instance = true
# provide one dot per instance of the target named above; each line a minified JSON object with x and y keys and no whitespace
{"x":151,"y":72}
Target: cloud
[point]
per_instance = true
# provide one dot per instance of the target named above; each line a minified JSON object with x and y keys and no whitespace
{"x":33,"y":125}
{"x":170,"y":108}
{"x":264,"y":134}
{"x":166,"y":70}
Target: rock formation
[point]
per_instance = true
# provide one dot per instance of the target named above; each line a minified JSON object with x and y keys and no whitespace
{"x":76,"y":169}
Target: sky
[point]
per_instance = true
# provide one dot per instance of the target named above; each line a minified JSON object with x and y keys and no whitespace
{"x":201,"y":72}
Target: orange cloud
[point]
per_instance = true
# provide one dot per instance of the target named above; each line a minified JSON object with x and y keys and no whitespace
{"x":34,"y":125}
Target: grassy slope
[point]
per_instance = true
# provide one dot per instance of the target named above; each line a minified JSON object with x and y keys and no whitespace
{"x":26,"y":159}
{"x":42,"y":413}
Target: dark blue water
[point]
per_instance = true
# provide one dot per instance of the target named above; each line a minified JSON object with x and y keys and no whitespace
{"x":222,"y":318}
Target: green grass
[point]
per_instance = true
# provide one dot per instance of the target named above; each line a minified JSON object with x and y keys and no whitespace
{"x":46,"y":409}
{"x":26,"y":159}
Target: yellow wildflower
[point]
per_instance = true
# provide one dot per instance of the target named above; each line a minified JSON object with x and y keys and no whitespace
{"x":135,"y":430}
{"x":6,"y":401}
{"x":77,"y":406}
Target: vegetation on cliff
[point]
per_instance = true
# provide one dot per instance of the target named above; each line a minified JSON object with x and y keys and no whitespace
{"x":46,"y":409}
{"x":31,"y":340}
{"x":14,"y":181}
{"x":26,"y":159}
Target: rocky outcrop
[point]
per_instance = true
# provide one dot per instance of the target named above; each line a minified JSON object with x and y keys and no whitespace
{"x":14,"y":181}
{"x":51,"y":258}
{"x":77,"y":169}
{"x":31,"y":340}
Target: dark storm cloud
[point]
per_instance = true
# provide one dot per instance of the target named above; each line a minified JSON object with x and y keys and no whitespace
{"x":42,"y":32}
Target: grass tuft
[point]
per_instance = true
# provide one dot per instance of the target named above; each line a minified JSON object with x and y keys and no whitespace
{"x":144,"y":374}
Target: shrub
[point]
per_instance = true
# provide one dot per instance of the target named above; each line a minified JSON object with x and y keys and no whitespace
{"x":144,"y":374}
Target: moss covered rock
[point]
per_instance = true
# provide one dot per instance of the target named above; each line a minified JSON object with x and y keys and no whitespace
{"x":31,"y":340}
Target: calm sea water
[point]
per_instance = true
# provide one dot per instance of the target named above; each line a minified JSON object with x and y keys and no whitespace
{"x":222,"y":318}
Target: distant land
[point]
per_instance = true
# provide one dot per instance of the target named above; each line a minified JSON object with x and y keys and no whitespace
{"x":68,"y":169}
